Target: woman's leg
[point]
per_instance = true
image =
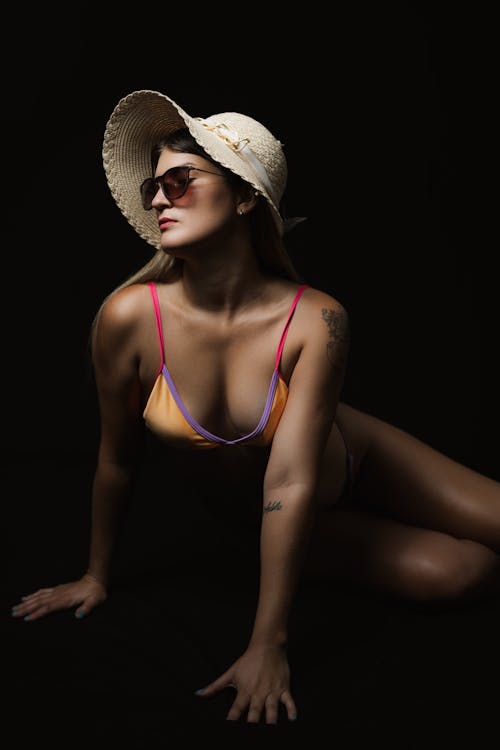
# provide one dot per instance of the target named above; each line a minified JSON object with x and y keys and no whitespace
{"x":421,"y":525}
{"x":372,"y":552}
{"x":407,"y":480}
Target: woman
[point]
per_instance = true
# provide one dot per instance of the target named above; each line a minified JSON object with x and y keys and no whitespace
{"x":219,"y":349}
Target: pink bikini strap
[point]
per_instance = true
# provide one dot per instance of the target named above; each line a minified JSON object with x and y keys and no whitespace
{"x":156,"y":304}
{"x":285,"y":330}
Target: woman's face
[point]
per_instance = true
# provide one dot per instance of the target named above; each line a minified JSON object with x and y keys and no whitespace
{"x":207,"y":207}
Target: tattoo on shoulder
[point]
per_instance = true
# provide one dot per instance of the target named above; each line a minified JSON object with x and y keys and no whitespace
{"x":272,"y":506}
{"x":338,"y":333}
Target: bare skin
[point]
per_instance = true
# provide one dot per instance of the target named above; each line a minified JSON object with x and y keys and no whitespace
{"x":422,"y":527}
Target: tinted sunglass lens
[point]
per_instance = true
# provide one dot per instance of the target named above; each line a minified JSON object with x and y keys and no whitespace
{"x":175,"y":182}
{"x":148,"y":192}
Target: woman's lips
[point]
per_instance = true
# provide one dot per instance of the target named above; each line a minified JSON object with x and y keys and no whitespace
{"x":165,"y":223}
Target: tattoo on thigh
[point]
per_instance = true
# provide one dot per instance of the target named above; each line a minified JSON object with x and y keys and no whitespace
{"x":272,"y":506}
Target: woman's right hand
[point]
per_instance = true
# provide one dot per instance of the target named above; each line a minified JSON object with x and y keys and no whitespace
{"x":87,"y":592}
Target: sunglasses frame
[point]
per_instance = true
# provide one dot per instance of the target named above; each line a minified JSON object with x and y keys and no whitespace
{"x":159,"y":182}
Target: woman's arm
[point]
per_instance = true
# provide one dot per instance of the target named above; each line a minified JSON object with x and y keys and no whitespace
{"x":115,"y":365}
{"x":261,"y":675}
{"x":292,"y":472}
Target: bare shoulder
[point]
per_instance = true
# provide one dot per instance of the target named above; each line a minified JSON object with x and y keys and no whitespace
{"x":120,"y":316}
{"x":318,"y":299}
{"x":124,"y":307}
{"x":324,"y":314}
{"x":324,"y":331}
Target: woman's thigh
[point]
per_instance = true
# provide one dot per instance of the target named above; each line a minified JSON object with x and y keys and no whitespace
{"x":406,"y":479}
{"x":361,"y":548}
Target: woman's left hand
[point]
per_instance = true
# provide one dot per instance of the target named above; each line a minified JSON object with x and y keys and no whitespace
{"x":261,"y":677}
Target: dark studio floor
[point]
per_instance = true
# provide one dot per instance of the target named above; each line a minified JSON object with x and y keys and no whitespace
{"x":364,"y":670}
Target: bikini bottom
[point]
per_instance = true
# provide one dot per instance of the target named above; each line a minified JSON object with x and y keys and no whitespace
{"x":347,"y":493}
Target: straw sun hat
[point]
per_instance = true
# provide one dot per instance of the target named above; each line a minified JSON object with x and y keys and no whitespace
{"x":235,"y":141}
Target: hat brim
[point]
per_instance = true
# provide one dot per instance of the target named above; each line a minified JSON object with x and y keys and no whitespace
{"x":137,"y":123}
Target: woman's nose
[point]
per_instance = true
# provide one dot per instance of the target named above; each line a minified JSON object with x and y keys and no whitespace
{"x":160,"y":200}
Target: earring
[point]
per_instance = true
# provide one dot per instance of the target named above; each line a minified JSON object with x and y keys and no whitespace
{"x":240,"y":211}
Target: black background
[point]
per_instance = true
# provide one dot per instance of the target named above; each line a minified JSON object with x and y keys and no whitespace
{"x":386,"y":116}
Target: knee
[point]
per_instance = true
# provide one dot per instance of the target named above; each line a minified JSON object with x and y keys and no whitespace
{"x":448,"y":571}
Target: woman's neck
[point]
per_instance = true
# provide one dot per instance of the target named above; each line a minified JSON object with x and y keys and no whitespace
{"x":222,"y":285}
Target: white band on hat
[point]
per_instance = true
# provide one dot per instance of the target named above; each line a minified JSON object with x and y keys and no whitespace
{"x":241,"y":145}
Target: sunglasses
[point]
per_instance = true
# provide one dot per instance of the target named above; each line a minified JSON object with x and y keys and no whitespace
{"x":173,"y":183}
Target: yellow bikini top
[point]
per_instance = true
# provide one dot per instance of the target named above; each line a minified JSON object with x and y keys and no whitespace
{"x":168,"y":418}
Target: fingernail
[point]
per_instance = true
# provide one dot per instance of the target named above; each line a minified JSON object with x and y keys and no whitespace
{"x":293,"y":717}
{"x":79,"y":615}
{"x":27,"y":617}
{"x":200,"y":691}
